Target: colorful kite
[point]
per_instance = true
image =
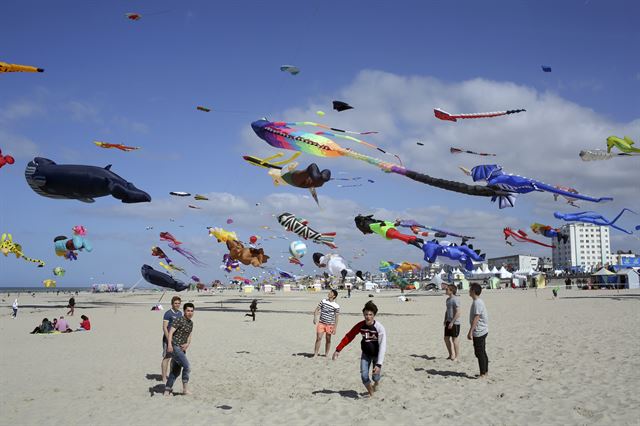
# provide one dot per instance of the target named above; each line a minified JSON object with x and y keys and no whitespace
{"x":119,"y":146}
{"x":439,"y":233}
{"x":336,"y":265}
{"x":386,"y":229}
{"x":5,"y":67}
{"x":167,"y":236}
{"x":522,"y":236}
{"x":6,"y":159}
{"x":464,"y":254}
{"x":593,"y":217}
{"x":180,"y":194}
{"x":444,"y":115}
{"x":229,"y":264}
{"x":601,"y":154}
{"x":161,"y":279}
{"x":291,"y":69}
{"x":300,"y":227}
{"x":221,"y":235}
{"x":549,"y":232}
{"x":341,"y":106}
{"x":172,"y":267}
{"x":8,"y":246}
{"x":67,"y":247}
{"x":186,"y":253}
{"x":280,"y":135}
{"x":59,"y":271}
{"x":246,"y":255}
{"x":79,"y":182}
{"x":625,"y":145}
{"x":49,"y":283}
{"x":158,"y":252}
{"x":461,"y":151}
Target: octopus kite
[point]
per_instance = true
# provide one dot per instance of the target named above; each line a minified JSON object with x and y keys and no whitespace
{"x":549,"y":232}
{"x":594,"y":218}
{"x":5,"y":67}
{"x":444,"y":115}
{"x":119,"y":146}
{"x":167,"y":236}
{"x":521,"y":236}
{"x":186,"y":253}
{"x":500,"y":186}
{"x":8,"y":246}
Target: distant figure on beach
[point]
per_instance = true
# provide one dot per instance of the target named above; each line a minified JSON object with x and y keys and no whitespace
{"x":85,"y":325}
{"x":452,"y":322}
{"x":179,"y":342}
{"x":253,"y":308}
{"x":567,"y":283}
{"x":555,"y":291}
{"x":349,"y":292}
{"x":169,"y":317}
{"x":44,"y":327}
{"x":15,"y":309}
{"x":373,"y":344}
{"x":479,"y":320}
{"x":329,"y":312}
{"x":62,"y":326}
{"x":71,"y":305}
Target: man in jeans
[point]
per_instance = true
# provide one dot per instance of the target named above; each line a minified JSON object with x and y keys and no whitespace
{"x":479,"y":319}
{"x":178,"y":343}
{"x":169,"y":316}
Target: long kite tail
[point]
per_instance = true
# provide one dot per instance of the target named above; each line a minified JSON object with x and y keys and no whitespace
{"x":327,"y":238}
{"x":548,"y":188}
{"x":615,"y":219}
{"x":360,"y":141}
{"x":322,"y":126}
{"x":601,"y":154}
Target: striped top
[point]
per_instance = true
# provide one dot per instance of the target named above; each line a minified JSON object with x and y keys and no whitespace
{"x":328,"y":311}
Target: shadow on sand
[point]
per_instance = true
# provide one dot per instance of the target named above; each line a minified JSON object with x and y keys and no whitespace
{"x":343,"y":393}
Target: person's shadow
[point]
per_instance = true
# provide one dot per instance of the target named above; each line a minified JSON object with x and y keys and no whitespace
{"x":304,"y":354}
{"x":445,"y":373}
{"x":156,"y":377}
{"x":343,"y":393}
{"x":427,"y":357}
{"x":156,"y":389}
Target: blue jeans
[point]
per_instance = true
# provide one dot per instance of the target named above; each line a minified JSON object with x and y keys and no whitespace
{"x":178,"y":362}
{"x":366,"y":362}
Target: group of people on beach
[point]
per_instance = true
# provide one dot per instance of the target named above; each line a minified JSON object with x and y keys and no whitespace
{"x":177,"y":328}
{"x":60,"y":324}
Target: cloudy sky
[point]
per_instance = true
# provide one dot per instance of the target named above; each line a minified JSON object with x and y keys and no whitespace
{"x":138,"y":83}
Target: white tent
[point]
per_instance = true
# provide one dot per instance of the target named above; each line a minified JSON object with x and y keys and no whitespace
{"x":478,"y":271}
{"x":504,"y":273}
{"x":629,"y":277}
{"x":485,"y":269}
{"x":494,"y":270}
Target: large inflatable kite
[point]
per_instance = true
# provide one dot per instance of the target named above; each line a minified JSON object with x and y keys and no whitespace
{"x":464,"y":254}
{"x":444,"y":115}
{"x":8,"y":246}
{"x":6,"y":159}
{"x":386,"y":229}
{"x":335,"y":264}
{"x":221,"y":235}
{"x":5,"y":67}
{"x":522,"y":237}
{"x":625,"y":145}
{"x":246,"y":255}
{"x":438,"y":233}
{"x":549,"y":232}
{"x":161,"y":279}
{"x":595,"y":218}
{"x":301,"y":227}
{"x":67,"y":247}
{"x":229,"y":264}
{"x":119,"y":146}
{"x":80,"y":182}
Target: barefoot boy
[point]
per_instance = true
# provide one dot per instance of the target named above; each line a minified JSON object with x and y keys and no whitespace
{"x":329,"y":312}
{"x":452,"y":322}
{"x":479,"y":319}
{"x":179,"y":341}
{"x":373,"y":344}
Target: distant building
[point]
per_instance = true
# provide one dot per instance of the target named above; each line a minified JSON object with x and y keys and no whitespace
{"x":516,"y":262}
{"x":587,"y":248}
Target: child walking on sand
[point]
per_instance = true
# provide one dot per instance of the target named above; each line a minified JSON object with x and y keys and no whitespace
{"x":452,"y":322}
{"x":329,"y":312}
{"x":373,"y":344}
{"x":479,"y":319}
{"x":253,"y":308}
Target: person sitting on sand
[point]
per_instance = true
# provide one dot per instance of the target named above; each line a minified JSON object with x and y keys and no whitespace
{"x":62,"y":326}
{"x":329,"y":312}
{"x":253,"y":308}
{"x":44,"y":327}
{"x":373,"y":344}
{"x":85,"y":325}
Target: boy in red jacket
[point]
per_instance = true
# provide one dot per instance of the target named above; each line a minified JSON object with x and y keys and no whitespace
{"x":373,"y":344}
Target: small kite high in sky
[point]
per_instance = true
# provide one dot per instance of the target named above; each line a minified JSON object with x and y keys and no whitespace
{"x":546,"y":68}
{"x":6,"y":159}
{"x":341,"y":106}
{"x":5,"y":67}
{"x":444,"y":115}
{"x":291,"y":69}
{"x":200,"y":197}
{"x":180,"y":194}
{"x":595,"y":218}
{"x":461,"y":151}
{"x":119,"y":146}
{"x":133,"y":16}
{"x":201,"y":108}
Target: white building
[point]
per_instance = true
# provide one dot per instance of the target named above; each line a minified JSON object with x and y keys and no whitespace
{"x":587,"y":248}
{"x":516,"y":262}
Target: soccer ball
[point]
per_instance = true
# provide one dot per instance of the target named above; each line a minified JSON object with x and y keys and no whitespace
{"x":298,"y":249}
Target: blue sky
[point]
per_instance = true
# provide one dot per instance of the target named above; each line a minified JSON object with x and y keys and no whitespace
{"x":138,"y":83}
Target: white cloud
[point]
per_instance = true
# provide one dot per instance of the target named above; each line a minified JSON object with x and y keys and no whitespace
{"x":17,"y":146}
{"x":82,"y":111}
{"x":19,"y":110}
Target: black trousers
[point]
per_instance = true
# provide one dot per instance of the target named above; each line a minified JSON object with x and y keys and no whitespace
{"x":481,"y":353}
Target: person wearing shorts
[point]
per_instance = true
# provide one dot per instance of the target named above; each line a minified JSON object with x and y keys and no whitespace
{"x":169,"y":317}
{"x":452,"y":322}
{"x":329,"y":312}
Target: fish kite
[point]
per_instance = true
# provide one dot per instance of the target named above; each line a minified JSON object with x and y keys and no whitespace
{"x":8,"y":246}
{"x":6,"y":159}
{"x":180,"y":194}
{"x":5,"y":67}
{"x":549,"y":232}
{"x":444,"y":115}
{"x":341,"y":106}
{"x":460,"y":151}
{"x":301,"y":227}
{"x":281,"y":135}
{"x":119,"y":146}
{"x":438,"y":233}
{"x":166,"y":236}
{"x":291,"y":69}
{"x":593,"y":217}
{"x":546,"y":68}
{"x":79,"y":182}
{"x":161,"y":279}
{"x":201,"y":108}
{"x":200,"y":197}
{"x":522,"y":236}
{"x":221,"y":235}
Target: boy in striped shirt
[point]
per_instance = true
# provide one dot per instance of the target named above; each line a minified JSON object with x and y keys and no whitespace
{"x":329,"y":312}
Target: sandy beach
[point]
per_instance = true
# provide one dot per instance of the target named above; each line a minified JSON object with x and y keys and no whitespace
{"x":575,"y":360}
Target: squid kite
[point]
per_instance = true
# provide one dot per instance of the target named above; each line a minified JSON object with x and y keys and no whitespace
{"x":438,"y":233}
{"x":444,"y":115}
{"x":119,"y":146}
{"x":5,"y":67}
{"x":595,"y":218}
{"x":301,"y":227}
{"x":186,"y":253}
{"x":8,"y":246}
{"x":522,"y":236}
{"x":549,"y":232}
{"x":6,"y":159}
{"x":167,"y":236}
{"x":460,"y":151}
{"x":158,"y":252}
{"x":281,"y":135}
